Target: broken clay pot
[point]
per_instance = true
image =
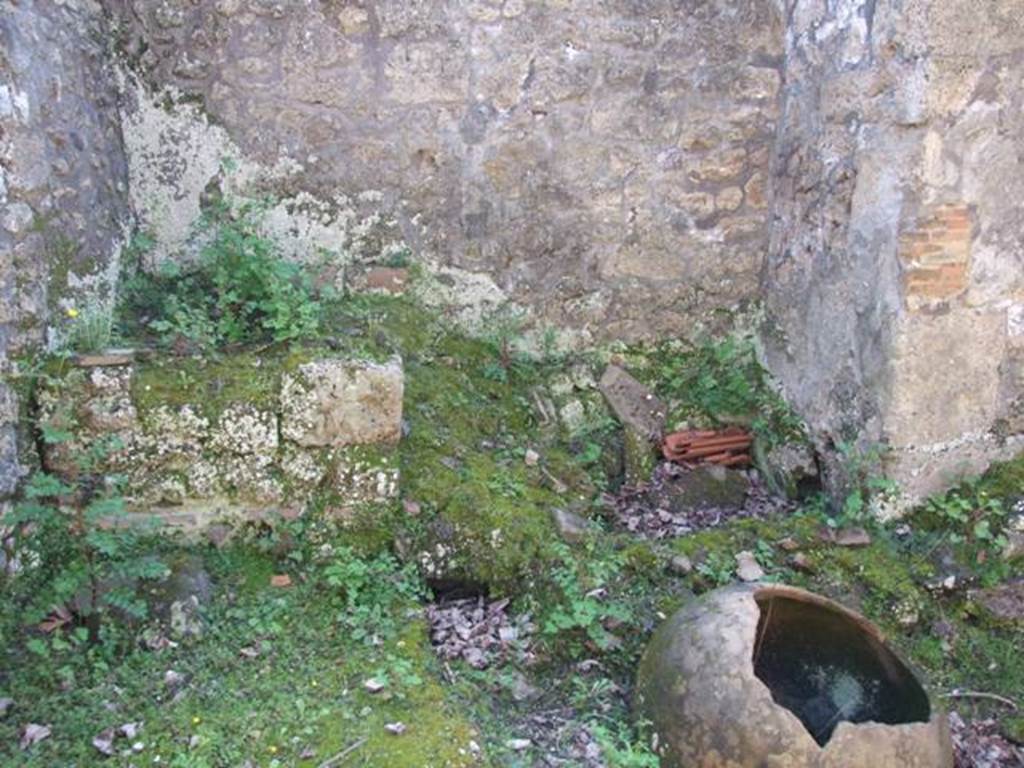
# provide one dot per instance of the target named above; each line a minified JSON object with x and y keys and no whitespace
{"x":765,"y":676}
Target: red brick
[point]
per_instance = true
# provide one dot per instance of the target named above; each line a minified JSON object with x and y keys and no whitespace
{"x":939,"y":282}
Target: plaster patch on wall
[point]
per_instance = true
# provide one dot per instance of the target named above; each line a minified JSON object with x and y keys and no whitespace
{"x":177,"y":157}
{"x":467,"y":298}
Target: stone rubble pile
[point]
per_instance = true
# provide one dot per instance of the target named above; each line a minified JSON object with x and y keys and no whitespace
{"x":479,"y":632}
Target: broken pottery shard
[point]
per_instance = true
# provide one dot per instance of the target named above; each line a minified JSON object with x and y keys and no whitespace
{"x":396,"y":729}
{"x":728,"y":447}
{"x":634,"y":404}
{"x":104,"y":743}
{"x":33,"y":734}
{"x":373,"y":685}
{"x":335,"y":403}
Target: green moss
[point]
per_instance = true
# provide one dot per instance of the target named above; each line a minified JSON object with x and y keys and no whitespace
{"x":463,"y":462}
{"x":641,"y":559}
{"x":1013,"y":727}
{"x":210,"y":384}
{"x":1004,"y":480}
{"x":436,"y":734}
{"x":297,"y":687}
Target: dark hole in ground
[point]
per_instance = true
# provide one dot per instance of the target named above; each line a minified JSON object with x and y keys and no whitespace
{"x":825,"y":667}
{"x":449,"y":590}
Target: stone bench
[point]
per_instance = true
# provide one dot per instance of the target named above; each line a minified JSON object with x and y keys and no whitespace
{"x":242,"y":438}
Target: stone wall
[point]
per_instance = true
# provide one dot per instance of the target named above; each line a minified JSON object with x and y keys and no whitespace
{"x":603,"y":163}
{"x":247,"y":437}
{"x":893,"y":284}
{"x":63,"y":190}
{"x":621,"y":169}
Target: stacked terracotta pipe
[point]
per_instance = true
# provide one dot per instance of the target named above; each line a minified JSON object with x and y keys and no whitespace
{"x":728,"y":447}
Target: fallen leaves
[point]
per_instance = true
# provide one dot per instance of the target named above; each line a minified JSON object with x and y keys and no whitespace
{"x":978,"y":744}
{"x":652,"y":511}
{"x":59,"y":617}
{"x":478,"y":632}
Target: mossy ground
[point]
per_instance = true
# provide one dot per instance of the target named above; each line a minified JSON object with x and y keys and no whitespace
{"x":467,"y":487}
{"x":297,"y":702}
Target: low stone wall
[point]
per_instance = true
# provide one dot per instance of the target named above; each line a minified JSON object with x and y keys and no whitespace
{"x":195,"y":448}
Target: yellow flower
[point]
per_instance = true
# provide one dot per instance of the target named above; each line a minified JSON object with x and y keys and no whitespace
{"x":272,"y":749}
{"x":72,"y":312}
{"x":196,"y":720}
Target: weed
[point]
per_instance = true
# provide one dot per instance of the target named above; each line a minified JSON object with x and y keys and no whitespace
{"x":370,"y":589}
{"x":620,"y":748}
{"x":90,"y":327}
{"x":584,"y":603}
{"x":866,"y":489}
{"x":724,"y":383}
{"x":503,"y":331}
{"x":398,"y":257}
{"x":86,"y":558}
{"x":240,"y":289}
{"x":971,"y":518}
{"x":717,"y":567}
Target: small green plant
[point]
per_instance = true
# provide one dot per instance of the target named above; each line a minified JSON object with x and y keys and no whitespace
{"x":398,"y":258}
{"x":90,"y":328}
{"x":971,"y":517}
{"x":503,"y":329}
{"x":723,"y":382}
{"x":86,"y":557}
{"x":239,"y":290}
{"x":717,"y":568}
{"x":369,"y":589}
{"x":584,"y":603}
{"x":549,"y":345}
{"x":506,"y":485}
{"x":620,"y":749}
{"x":865,"y":485}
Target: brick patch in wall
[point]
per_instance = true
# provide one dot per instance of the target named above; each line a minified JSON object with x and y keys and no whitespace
{"x":936,"y":255}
